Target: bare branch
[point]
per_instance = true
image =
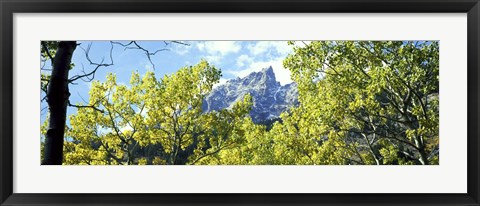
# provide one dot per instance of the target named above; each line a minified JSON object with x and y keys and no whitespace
{"x":148,"y":53}
{"x":43,"y":109}
{"x":44,"y":98}
{"x":88,"y":77}
{"x":178,"y":42}
{"x":43,"y":64}
{"x":86,"y":106}
{"x":82,"y":98}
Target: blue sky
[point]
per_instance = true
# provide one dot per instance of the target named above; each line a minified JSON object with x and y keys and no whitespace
{"x":234,"y":58}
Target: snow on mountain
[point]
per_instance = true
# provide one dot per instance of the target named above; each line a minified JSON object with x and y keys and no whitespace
{"x":270,"y":98}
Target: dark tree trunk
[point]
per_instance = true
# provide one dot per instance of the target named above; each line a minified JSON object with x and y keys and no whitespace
{"x":57,"y":99}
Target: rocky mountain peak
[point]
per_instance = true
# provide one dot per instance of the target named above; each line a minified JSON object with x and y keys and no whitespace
{"x":262,"y":78}
{"x":268,"y":71}
{"x":270,"y":99}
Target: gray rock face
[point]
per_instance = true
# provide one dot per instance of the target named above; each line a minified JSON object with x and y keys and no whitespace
{"x":270,"y":99}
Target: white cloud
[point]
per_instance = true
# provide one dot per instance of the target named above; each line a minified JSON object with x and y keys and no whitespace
{"x":243,"y":59}
{"x":201,"y":46}
{"x":219,"y":47}
{"x":272,"y":53}
{"x":181,"y":49}
{"x":262,"y":47}
{"x":213,"y":59}
{"x":259,"y":55}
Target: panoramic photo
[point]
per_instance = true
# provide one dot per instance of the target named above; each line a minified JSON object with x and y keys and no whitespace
{"x":170,"y":102}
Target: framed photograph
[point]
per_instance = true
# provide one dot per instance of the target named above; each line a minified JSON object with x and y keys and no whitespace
{"x":242,"y":103}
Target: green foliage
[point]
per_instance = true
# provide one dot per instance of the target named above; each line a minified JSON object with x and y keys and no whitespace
{"x":368,"y":100}
{"x":48,"y":49}
{"x":162,"y":118}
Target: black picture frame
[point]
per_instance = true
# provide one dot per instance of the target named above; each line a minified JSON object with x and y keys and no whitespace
{"x":9,"y":7}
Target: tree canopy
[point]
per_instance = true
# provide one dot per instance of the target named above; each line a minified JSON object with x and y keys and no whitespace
{"x":366,"y":102}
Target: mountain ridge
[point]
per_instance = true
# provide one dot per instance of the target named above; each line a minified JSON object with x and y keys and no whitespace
{"x":269,"y":97}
